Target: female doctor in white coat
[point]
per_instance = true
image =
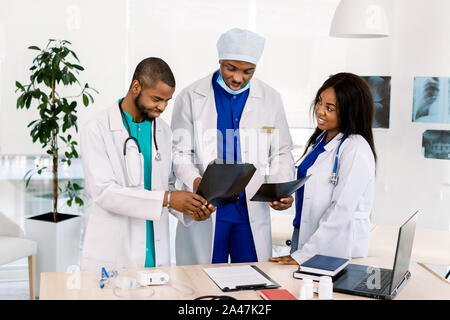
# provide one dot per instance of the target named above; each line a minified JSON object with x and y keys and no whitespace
{"x":333,"y":208}
{"x":127,"y":163}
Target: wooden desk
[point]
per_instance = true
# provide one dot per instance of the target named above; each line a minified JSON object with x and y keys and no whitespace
{"x":57,"y":285}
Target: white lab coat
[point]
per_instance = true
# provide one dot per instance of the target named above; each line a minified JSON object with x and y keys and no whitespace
{"x":335,"y":220}
{"x":115,"y":219}
{"x":265,"y":141}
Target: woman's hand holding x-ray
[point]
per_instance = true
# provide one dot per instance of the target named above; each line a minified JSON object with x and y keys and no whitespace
{"x":191,"y":204}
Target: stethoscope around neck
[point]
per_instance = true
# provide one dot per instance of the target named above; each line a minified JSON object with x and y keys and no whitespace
{"x":334,"y":174}
{"x":131,"y":138}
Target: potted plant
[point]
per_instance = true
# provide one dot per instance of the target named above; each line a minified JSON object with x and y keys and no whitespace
{"x":54,"y":68}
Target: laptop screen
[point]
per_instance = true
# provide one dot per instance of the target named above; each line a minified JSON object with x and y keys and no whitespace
{"x":404,"y":249}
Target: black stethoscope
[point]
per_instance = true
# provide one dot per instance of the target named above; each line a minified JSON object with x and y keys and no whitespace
{"x":130,"y":137}
{"x":334,"y":175}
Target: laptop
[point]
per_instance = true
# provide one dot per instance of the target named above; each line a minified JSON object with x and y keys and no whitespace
{"x":381,"y":283}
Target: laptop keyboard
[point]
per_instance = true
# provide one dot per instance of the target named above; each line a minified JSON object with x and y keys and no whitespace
{"x":385,"y":281}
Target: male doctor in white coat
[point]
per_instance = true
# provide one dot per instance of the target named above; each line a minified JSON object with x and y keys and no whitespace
{"x":230,"y":115}
{"x":127,"y":162}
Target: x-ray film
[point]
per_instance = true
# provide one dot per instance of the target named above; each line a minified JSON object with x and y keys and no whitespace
{"x":436,"y":144}
{"x":381,"y":92}
{"x":431,"y":101}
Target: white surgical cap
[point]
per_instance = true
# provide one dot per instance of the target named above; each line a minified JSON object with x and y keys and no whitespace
{"x":241,"y":45}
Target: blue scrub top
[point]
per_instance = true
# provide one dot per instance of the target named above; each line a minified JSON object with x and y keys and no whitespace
{"x":229,"y":109}
{"x":307,"y":163}
{"x":142,"y":131}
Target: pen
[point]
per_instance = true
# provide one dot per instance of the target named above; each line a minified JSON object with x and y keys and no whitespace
{"x":251,"y":286}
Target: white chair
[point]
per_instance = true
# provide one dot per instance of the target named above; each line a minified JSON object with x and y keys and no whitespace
{"x":13,"y":246}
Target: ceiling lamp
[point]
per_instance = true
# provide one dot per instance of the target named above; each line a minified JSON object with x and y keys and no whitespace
{"x":359,"y":19}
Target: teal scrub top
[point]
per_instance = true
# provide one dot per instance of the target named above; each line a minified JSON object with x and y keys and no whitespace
{"x":142,"y":131}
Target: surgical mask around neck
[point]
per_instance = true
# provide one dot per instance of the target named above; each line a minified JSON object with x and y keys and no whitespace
{"x":222,"y":83}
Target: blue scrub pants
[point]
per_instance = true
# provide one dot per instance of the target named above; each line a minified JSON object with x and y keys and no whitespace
{"x":234,"y":239}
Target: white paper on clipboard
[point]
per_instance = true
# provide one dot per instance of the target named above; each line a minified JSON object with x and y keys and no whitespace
{"x":238,"y":278}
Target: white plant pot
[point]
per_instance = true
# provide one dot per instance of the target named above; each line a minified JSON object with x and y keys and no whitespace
{"x":58,"y":244}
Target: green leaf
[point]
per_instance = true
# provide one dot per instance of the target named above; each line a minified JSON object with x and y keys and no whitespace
{"x":20,"y":86}
{"x":34,"y":48}
{"x":76,"y":66}
{"x":85,"y":100}
{"x":28,"y":174}
{"x":73,"y":79}
{"x":28,"y":101}
{"x":28,"y":181}
{"x":55,"y":62}
{"x":79,"y":201}
{"x":74,"y":55}
{"x":39,"y":171}
{"x":39,"y":77}
{"x":20,"y":102}
{"x":47,"y":82}
{"x":36,"y":94}
{"x":73,"y":105}
{"x":31,"y":123}
{"x":90,"y":96}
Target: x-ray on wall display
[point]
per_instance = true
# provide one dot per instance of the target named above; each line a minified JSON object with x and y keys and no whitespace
{"x":436,"y":144}
{"x":381,"y":92}
{"x":431,"y":101}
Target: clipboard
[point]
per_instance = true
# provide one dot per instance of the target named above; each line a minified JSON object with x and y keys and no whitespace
{"x":249,"y":277}
{"x":269,"y":192}
{"x":223,"y":183}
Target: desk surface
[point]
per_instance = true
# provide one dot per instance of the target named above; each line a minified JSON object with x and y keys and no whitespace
{"x":83,"y":285}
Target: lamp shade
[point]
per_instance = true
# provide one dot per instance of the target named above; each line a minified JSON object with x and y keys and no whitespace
{"x":359,"y":19}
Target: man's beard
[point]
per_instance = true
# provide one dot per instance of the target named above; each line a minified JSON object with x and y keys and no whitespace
{"x":142,"y":109}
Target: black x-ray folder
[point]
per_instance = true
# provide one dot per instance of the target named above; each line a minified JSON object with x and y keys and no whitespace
{"x":269,"y":192}
{"x":222,"y":183}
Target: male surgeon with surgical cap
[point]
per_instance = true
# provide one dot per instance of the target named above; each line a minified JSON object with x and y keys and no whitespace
{"x":234,"y":117}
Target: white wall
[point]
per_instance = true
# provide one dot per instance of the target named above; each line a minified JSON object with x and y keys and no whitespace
{"x":97,"y":31}
{"x":418,"y":46}
{"x":111,"y":37}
